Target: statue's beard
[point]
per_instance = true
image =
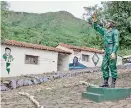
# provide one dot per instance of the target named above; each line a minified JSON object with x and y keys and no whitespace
{"x":108,"y":26}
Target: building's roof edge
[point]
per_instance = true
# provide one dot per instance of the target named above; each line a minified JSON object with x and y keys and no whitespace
{"x":81,"y":48}
{"x":34,"y":46}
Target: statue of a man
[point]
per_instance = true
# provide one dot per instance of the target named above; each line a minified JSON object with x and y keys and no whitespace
{"x":111,"y":44}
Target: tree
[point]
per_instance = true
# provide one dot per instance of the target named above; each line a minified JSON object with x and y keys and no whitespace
{"x":120,"y":12}
{"x":4,"y":15}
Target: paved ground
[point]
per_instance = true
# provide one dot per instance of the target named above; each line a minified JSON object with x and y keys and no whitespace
{"x":65,"y":93}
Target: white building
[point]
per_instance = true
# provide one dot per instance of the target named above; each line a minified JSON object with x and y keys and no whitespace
{"x":20,"y":58}
{"x":87,"y":57}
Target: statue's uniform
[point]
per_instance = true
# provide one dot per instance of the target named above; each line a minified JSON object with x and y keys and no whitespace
{"x":111,"y":43}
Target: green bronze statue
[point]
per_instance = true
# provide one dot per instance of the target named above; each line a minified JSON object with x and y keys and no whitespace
{"x":111,"y":43}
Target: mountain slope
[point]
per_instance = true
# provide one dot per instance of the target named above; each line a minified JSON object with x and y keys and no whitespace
{"x":51,"y":28}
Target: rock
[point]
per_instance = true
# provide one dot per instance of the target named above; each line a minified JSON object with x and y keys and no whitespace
{"x":13,"y":84}
{"x":3,"y":87}
{"x":35,"y":81}
{"x":27,"y":82}
{"x":56,"y":76}
{"x":39,"y":79}
{"x":61,"y":75}
{"x":6,"y":82}
{"x":20,"y":83}
{"x":45,"y":79}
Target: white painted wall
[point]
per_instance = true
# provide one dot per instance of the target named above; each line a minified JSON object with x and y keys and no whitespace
{"x":18,"y":66}
{"x":119,"y":60}
{"x":63,"y":62}
{"x":79,"y":55}
{"x":67,"y":49}
{"x":90,"y":62}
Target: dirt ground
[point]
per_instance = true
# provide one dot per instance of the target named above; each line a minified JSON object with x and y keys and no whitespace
{"x":65,"y":93}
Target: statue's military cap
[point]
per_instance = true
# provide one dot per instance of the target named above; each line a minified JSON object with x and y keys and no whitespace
{"x":108,"y":20}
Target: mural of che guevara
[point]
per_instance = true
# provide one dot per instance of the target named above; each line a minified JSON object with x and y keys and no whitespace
{"x":76,"y":64}
{"x":75,"y":61}
{"x":8,"y":58}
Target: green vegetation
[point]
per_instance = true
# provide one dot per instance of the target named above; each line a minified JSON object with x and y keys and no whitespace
{"x":50,"y":29}
{"x":55,"y":27}
{"x":4,"y":15}
{"x":120,"y":12}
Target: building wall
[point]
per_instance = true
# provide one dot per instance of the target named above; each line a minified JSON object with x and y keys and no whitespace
{"x":67,"y":49}
{"x":63,"y":61}
{"x":47,"y":61}
{"x":79,"y":55}
{"x":90,"y":63}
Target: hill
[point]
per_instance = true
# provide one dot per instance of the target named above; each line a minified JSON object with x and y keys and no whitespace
{"x":51,"y":28}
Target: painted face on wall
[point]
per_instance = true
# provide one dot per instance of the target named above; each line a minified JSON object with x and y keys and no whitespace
{"x":7,"y":51}
{"x":75,"y":60}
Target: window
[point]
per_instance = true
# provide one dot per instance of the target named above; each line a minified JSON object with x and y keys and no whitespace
{"x":85,"y":57}
{"x":29,"y":59}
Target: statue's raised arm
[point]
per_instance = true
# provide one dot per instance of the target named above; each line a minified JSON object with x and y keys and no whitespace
{"x":97,"y":27}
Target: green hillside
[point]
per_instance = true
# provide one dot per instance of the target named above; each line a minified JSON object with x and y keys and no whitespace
{"x":51,"y":28}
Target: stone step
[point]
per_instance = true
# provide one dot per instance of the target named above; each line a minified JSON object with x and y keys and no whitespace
{"x":106,"y":94}
{"x":106,"y":91}
{"x":95,"y":90}
{"x":93,"y":96}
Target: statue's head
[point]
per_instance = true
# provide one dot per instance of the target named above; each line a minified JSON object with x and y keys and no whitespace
{"x":110,"y":24}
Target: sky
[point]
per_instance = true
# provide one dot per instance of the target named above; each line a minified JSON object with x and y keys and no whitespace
{"x":74,"y":7}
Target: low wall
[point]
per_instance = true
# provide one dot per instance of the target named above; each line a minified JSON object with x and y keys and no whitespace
{"x":27,"y":80}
